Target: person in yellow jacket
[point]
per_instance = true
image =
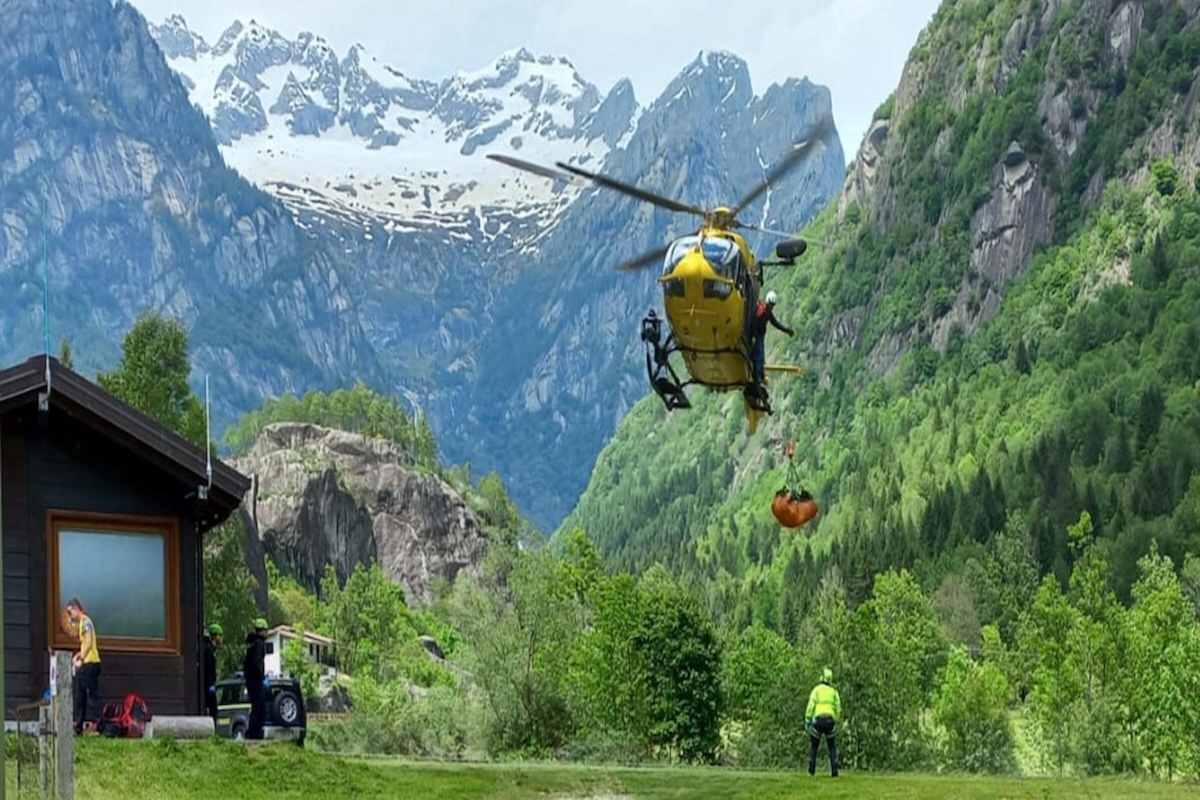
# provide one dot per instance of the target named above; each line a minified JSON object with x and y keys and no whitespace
{"x":824,"y":711}
{"x":87,"y":670}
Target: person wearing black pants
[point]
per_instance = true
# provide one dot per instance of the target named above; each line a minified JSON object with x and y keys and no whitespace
{"x":824,"y":709}
{"x":87,"y":697}
{"x":86,"y":683}
{"x":212,"y":640}
{"x":254,"y":673}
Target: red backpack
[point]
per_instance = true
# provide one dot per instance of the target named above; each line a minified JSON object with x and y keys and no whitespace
{"x":124,"y":720}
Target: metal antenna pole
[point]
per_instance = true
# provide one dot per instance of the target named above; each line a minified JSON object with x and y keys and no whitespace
{"x":203,"y":493}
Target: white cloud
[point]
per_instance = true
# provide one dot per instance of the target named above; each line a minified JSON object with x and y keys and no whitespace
{"x":855,"y":47}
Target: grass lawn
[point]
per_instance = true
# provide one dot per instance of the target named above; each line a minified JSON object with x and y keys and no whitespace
{"x":128,"y":770}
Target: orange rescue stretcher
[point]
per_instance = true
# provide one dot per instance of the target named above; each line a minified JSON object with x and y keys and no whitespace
{"x":793,"y":506}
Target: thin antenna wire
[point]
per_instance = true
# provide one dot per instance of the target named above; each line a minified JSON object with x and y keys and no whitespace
{"x":207,"y":439}
{"x":44,"y":402}
{"x":45,"y":283}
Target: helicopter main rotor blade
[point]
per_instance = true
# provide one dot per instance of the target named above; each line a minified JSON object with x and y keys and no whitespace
{"x":634,"y":191}
{"x":793,"y":159}
{"x":529,"y":166}
{"x":645,"y":259}
{"x":770,"y":231}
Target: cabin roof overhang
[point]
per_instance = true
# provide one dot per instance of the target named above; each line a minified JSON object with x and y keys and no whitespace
{"x":78,"y":397}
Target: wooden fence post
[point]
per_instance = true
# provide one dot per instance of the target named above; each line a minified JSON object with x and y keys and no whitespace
{"x":45,"y":725}
{"x":64,"y":727}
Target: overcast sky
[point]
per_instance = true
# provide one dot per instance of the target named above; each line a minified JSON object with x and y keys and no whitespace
{"x":855,"y":47}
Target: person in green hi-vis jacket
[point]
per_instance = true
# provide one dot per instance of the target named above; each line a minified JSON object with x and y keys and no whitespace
{"x":824,"y":711}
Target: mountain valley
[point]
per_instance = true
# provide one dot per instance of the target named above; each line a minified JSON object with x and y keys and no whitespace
{"x":998,"y":414}
{"x":367,"y":237}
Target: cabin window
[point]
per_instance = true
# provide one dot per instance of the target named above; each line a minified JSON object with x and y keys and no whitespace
{"x":125,"y":573}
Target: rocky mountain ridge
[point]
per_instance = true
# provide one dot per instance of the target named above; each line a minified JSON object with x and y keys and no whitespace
{"x":114,"y":190}
{"x":1088,"y":45}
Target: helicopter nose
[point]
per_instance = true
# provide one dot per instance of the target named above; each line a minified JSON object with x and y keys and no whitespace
{"x":691,"y":264}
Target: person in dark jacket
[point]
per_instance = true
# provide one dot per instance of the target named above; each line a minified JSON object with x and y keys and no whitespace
{"x":764,"y":314}
{"x":212,"y":640}
{"x":254,"y":673}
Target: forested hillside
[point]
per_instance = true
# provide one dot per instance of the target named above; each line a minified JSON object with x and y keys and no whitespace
{"x":1000,"y":333}
{"x":545,"y":650}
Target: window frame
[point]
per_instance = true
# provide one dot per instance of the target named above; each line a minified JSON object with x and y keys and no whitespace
{"x":59,"y":520}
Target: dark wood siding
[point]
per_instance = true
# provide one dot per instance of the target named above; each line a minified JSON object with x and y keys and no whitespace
{"x":71,"y":467}
{"x":14,"y":494}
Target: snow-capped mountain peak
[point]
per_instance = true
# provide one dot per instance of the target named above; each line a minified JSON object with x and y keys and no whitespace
{"x":719,"y":59}
{"x":226,"y":40}
{"x":177,"y":40}
{"x":357,"y":133}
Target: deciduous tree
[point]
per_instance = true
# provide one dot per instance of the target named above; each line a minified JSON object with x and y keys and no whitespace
{"x":152,"y":375}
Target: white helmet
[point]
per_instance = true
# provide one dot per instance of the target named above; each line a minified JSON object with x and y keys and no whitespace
{"x":772,"y":297}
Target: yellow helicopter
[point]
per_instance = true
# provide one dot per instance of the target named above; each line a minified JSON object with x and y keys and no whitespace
{"x":711,"y":284}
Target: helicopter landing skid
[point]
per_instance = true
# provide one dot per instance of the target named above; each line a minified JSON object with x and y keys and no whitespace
{"x":662,"y":375}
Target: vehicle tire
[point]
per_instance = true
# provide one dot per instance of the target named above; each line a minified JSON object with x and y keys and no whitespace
{"x":287,"y":708}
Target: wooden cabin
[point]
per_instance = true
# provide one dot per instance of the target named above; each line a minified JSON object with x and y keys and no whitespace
{"x":102,"y":503}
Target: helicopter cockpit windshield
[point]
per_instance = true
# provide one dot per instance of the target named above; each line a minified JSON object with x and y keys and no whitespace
{"x":723,"y":256}
{"x":721,"y":253}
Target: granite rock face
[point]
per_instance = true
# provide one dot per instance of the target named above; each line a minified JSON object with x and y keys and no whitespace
{"x":326,"y":497}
